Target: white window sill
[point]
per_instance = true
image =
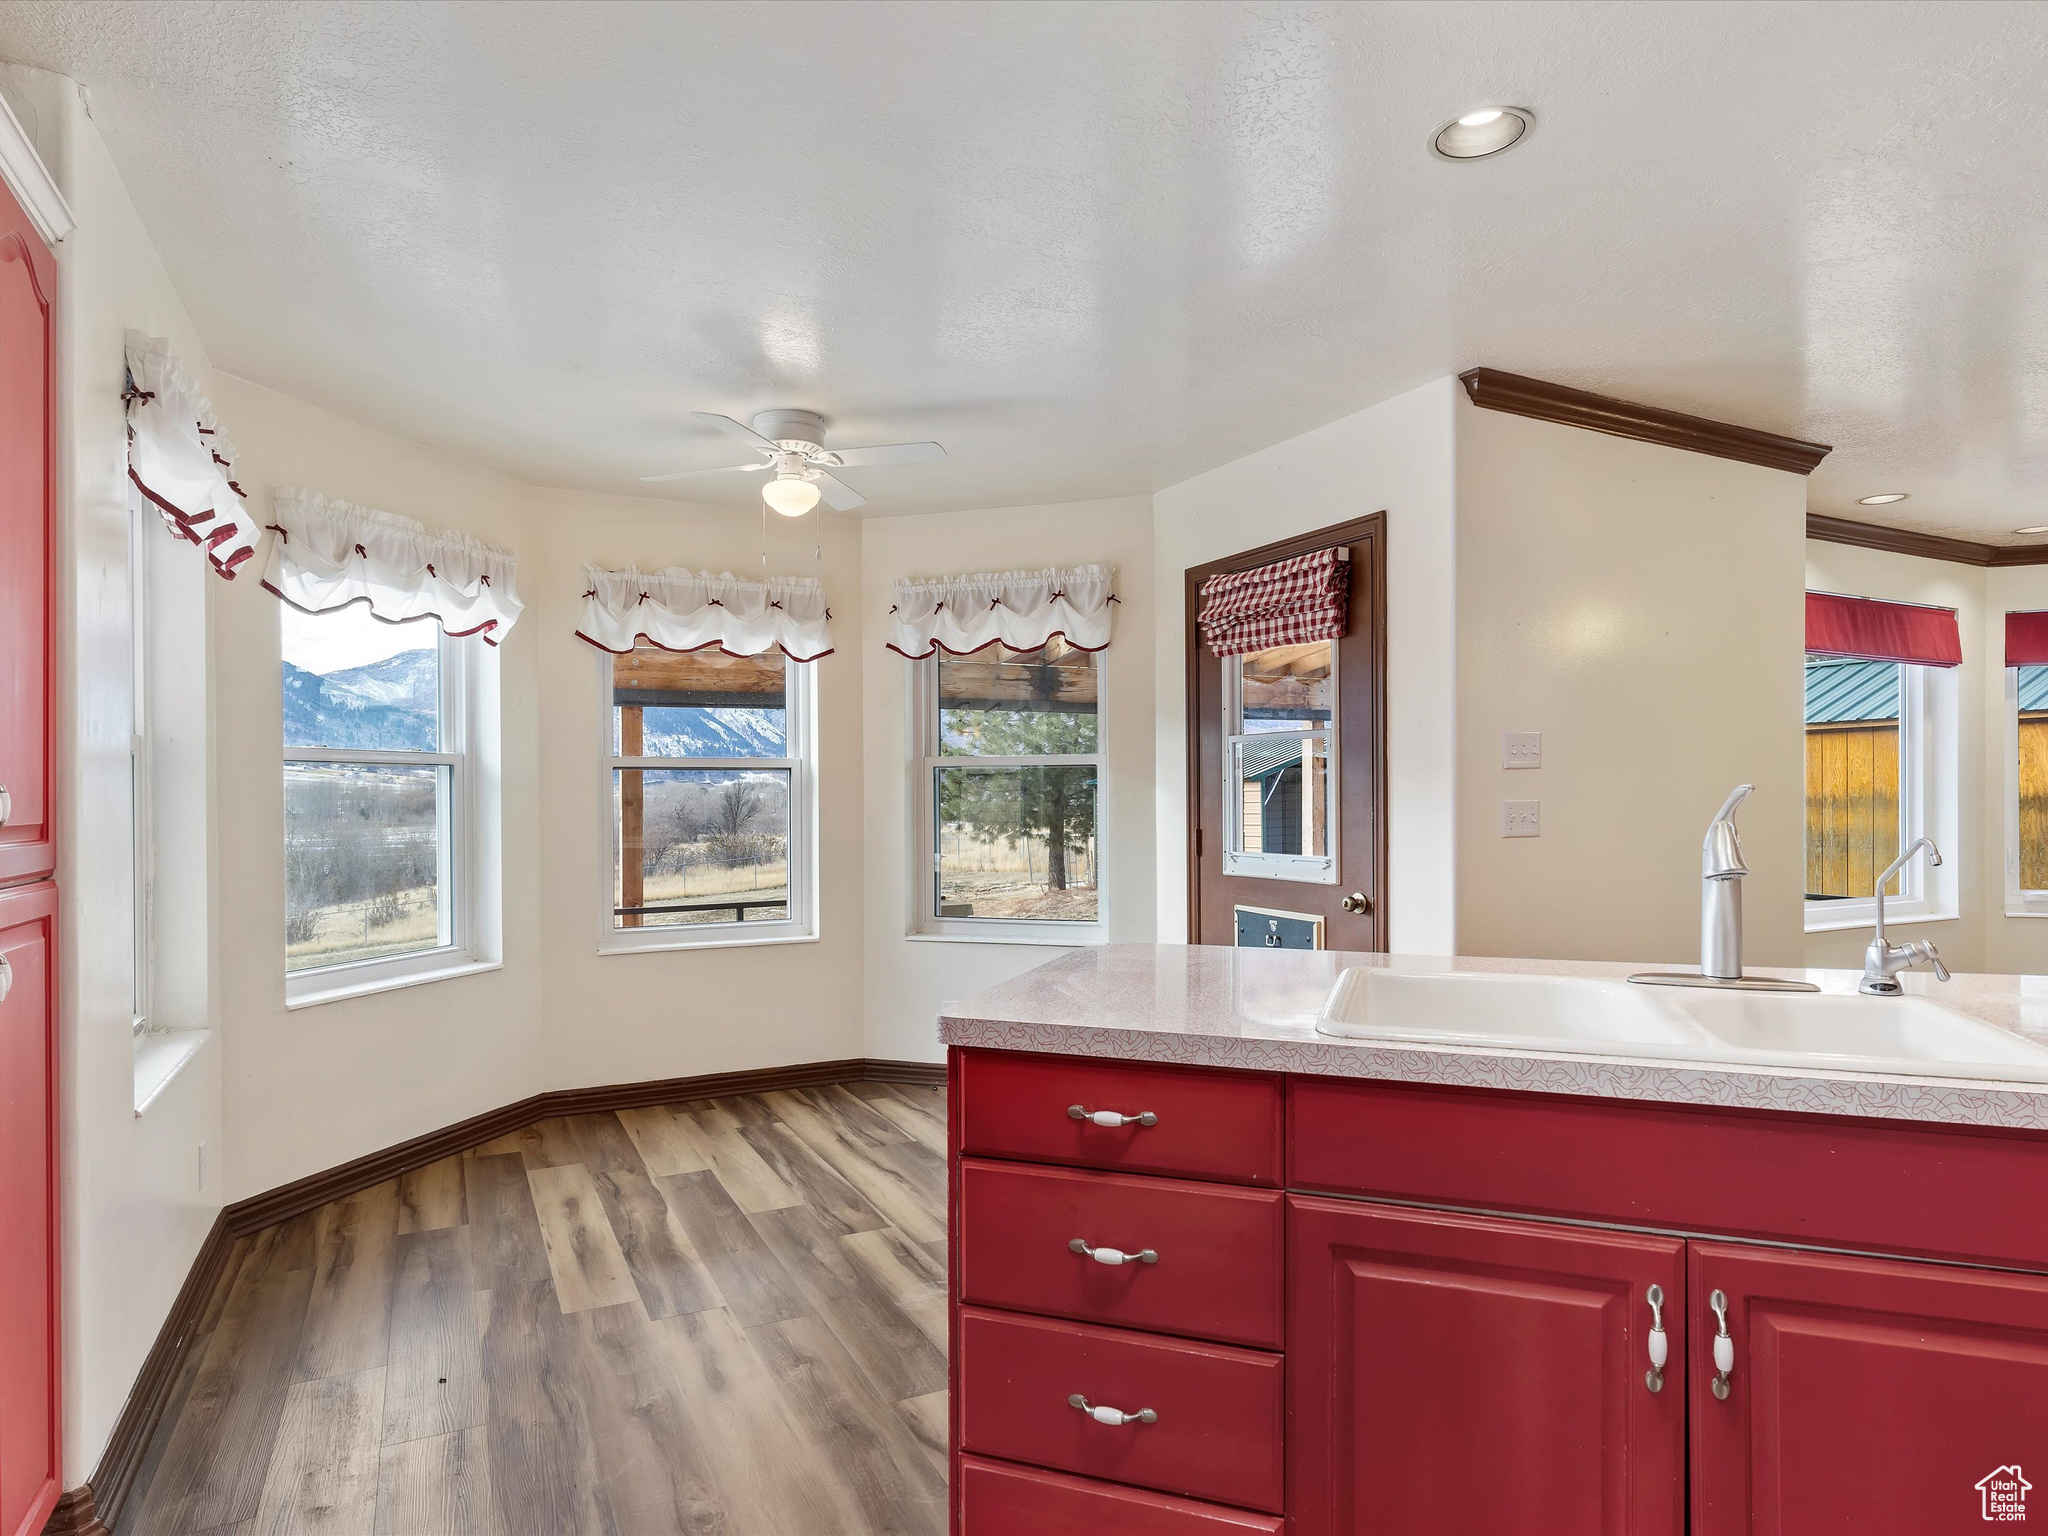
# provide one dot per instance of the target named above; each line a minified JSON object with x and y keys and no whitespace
{"x":2018,"y":911}
{"x":1891,"y":920}
{"x":364,"y":986}
{"x":672,"y":945}
{"x":161,"y":1056}
{"x":1055,"y":941}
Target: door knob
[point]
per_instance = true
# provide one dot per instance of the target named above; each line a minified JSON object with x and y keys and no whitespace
{"x":1357,"y":901}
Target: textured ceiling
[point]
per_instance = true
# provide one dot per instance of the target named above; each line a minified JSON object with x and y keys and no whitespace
{"x":1092,"y":248}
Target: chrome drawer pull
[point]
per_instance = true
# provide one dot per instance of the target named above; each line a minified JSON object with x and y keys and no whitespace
{"x":1113,"y":1255}
{"x":6,"y":978}
{"x":1110,"y":1117}
{"x":1112,"y":1415}
{"x":1724,"y":1346}
{"x":1660,"y":1342}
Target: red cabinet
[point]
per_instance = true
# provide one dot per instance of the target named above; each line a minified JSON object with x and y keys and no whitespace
{"x":28,"y":277}
{"x":1866,"y":1395}
{"x":1163,"y":1254}
{"x":1460,"y":1373}
{"x":997,"y":1497}
{"x":29,"y":1469}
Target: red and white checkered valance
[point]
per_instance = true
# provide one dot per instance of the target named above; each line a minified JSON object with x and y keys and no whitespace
{"x":1289,"y":602}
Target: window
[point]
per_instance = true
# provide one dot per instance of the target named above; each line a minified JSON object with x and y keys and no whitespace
{"x":2026,"y":850}
{"x":381,"y":875}
{"x":1280,"y":743}
{"x":1009,"y":804}
{"x":1880,"y":772}
{"x":709,"y":797}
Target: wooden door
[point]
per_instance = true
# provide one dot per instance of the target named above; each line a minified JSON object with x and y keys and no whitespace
{"x":1453,"y":1373}
{"x":28,"y":292}
{"x":1868,"y":1395}
{"x":29,"y":1384}
{"x":1359,"y":844}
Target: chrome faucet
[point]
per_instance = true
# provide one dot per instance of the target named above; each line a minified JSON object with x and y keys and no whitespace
{"x":1883,"y":961}
{"x":1721,"y":872}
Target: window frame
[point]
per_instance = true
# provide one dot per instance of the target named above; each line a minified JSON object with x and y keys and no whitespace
{"x":799,"y":714}
{"x":470,"y":947}
{"x":926,"y":760}
{"x":2019,"y":902}
{"x":141,"y":767}
{"x":1929,"y":776}
{"x":1301,"y":868}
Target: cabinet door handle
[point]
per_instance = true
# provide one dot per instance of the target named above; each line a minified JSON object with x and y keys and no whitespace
{"x":6,"y":978}
{"x":1112,"y":1415}
{"x":1660,"y":1342}
{"x":1110,"y":1117}
{"x":1724,"y":1346}
{"x":1113,"y":1255}
{"x":6,"y":805}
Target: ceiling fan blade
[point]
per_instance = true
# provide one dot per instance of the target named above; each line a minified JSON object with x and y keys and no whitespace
{"x":886,"y":453}
{"x":684,"y":474}
{"x":727,"y":424}
{"x":841,"y":496}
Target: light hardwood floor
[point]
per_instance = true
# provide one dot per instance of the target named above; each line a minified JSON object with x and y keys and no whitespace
{"x":723,"y":1316}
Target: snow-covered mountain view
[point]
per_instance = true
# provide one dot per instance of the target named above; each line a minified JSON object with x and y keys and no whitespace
{"x":713,"y":733}
{"x":390,"y":705}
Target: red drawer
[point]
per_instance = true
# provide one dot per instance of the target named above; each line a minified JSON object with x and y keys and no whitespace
{"x":1218,"y":1433}
{"x":1001,"y":1500}
{"x":1209,"y":1124}
{"x":1217,"y":1275}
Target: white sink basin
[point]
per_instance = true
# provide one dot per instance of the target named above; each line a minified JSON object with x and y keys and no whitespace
{"x":1568,"y":1013}
{"x":1905,"y":1036}
{"x":1864,"y":1034}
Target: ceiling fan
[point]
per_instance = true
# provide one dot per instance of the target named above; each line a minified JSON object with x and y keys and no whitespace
{"x":793,"y":445}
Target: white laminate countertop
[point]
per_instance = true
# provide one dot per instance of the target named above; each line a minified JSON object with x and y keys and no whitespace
{"x":1206,"y":1005}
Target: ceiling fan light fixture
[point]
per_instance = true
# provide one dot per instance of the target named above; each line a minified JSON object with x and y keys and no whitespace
{"x":792,"y":496}
{"x":1481,"y":132}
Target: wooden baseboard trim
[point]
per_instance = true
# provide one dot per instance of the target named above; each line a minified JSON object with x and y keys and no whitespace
{"x":1493,"y":390}
{"x":100,"y":1501}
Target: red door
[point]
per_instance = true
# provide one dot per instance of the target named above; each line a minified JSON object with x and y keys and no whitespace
{"x":28,"y":1212}
{"x":1867,"y":1395}
{"x":28,"y":291}
{"x":1463,"y":1374}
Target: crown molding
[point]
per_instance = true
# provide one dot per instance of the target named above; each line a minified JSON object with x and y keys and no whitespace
{"x":1492,"y":390}
{"x":1928,"y":546}
{"x":29,"y":179}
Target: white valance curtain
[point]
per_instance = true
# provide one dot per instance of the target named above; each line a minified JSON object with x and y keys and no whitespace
{"x":179,"y":458}
{"x":328,"y":554}
{"x":682,"y":610}
{"x":1019,"y":609}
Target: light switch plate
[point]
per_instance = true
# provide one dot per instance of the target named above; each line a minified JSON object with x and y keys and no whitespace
{"x":1521,"y":749}
{"x":1521,"y":818}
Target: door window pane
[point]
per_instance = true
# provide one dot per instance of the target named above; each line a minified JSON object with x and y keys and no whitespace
{"x":1852,"y":775}
{"x":699,"y":704}
{"x":997,"y":702}
{"x":364,"y":850}
{"x":1017,"y":843}
{"x":355,"y":682}
{"x":700,"y":845}
{"x":1288,"y":688}
{"x":2033,"y":778}
{"x":1283,"y":795}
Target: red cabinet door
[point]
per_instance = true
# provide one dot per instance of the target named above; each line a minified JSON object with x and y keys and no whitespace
{"x":1207,"y":1255}
{"x":28,"y":1213}
{"x":28,"y":276}
{"x":1455,"y":1373}
{"x":1867,"y":1396}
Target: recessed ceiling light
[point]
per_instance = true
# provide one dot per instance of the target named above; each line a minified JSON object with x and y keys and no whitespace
{"x":2037,"y":528}
{"x":1481,"y":132}
{"x":1883,"y":500}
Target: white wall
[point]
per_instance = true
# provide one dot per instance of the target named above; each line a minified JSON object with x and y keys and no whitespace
{"x":308,"y":1088}
{"x":1642,"y":607}
{"x":134,"y":1212}
{"x":1396,"y":457}
{"x":908,"y":978}
{"x":677,"y":1013}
